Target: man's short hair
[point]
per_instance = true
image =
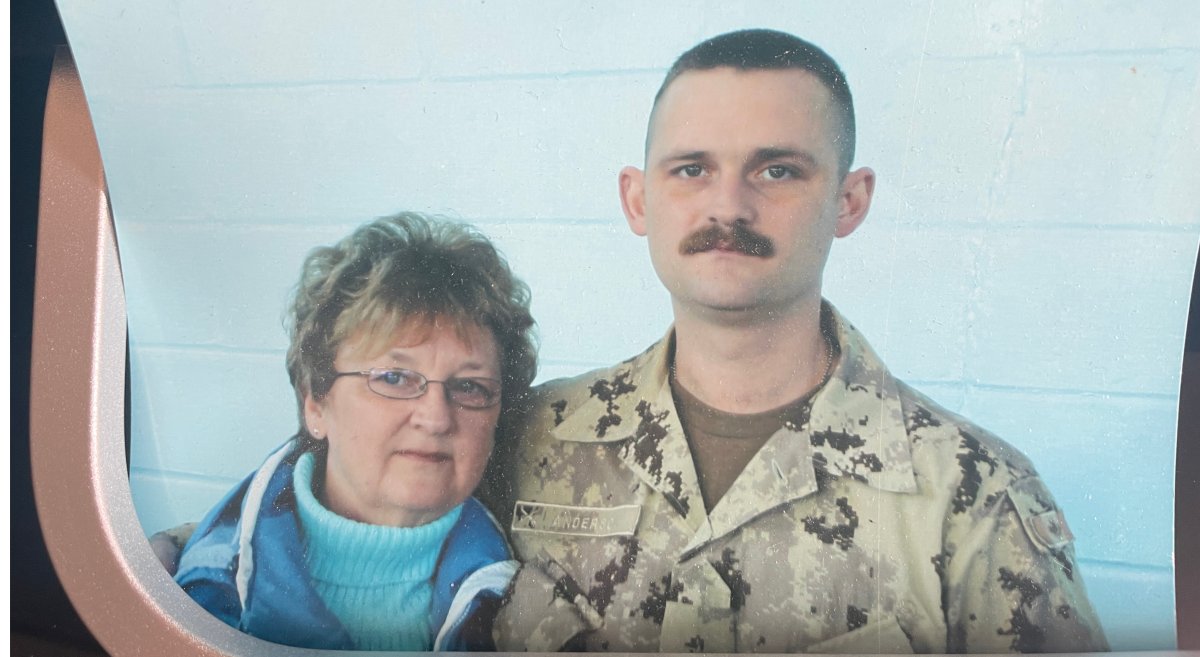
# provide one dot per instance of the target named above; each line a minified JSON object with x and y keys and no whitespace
{"x":770,"y":50}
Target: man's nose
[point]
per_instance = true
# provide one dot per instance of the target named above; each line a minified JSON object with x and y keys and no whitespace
{"x":434,"y":411}
{"x":732,"y":201}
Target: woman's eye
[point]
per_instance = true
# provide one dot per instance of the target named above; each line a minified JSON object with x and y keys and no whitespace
{"x":474,"y":393}
{"x":393,"y":377}
{"x":469,"y":387}
{"x":464,"y":386}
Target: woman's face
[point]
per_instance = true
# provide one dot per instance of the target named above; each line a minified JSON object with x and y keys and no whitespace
{"x":404,"y":462}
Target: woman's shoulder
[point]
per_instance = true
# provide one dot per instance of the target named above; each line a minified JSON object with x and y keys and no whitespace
{"x":477,"y":535}
{"x":215,"y":541}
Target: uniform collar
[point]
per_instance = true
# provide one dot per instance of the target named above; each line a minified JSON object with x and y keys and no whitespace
{"x":855,"y":428}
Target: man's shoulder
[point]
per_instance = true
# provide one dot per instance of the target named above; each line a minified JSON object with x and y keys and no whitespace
{"x":947,"y":446}
{"x":589,"y":383}
{"x":578,"y":385}
{"x":937,"y":437}
{"x":527,"y":440}
{"x":553,"y":400}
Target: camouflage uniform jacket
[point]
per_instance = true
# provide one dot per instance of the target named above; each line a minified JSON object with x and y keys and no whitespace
{"x":875,"y":521}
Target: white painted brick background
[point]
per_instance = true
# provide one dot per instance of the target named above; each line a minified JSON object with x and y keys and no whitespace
{"x":1027,"y":260}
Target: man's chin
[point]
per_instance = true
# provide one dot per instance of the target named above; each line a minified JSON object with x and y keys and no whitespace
{"x":737,"y":303}
{"x":731,"y":306}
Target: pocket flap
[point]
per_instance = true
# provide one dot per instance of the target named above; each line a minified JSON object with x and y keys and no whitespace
{"x":883,"y":637}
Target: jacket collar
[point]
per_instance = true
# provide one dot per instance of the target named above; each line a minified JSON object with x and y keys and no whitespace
{"x":854,"y":428}
{"x":283,"y":606}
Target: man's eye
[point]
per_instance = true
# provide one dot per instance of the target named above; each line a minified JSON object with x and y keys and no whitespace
{"x":690,"y":171}
{"x":780,"y":172}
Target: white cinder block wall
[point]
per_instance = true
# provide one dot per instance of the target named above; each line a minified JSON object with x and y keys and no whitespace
{"x":1027,"y":261}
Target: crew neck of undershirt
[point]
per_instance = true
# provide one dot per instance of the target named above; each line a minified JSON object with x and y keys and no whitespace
{"x":736,"y":426}
{"x":723,"y":443}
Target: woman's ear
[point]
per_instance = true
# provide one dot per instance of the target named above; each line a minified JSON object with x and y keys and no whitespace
{"x":314,"y":413}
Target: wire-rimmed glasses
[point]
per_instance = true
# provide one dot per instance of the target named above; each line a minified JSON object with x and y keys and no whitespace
{"x":400,"y":383}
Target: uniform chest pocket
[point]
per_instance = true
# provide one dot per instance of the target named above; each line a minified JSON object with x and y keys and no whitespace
{"x":883,"y":637}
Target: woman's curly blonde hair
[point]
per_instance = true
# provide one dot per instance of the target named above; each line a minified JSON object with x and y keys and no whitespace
{"x":409,"y":272}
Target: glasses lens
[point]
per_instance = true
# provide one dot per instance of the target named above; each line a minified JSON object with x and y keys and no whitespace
{"x":396,"y":383}
{"x":473,"y":393}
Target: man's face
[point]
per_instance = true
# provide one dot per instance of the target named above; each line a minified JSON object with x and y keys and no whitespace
{"x":741,"y":197}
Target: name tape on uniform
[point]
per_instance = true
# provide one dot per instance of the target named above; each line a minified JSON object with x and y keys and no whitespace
{"x":575,"y":520}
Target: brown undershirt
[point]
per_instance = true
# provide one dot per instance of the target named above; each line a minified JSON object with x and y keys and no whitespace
{"x":722,"y":444}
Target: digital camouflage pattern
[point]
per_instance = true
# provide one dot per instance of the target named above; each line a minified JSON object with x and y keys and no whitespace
{"x":874,"y":521}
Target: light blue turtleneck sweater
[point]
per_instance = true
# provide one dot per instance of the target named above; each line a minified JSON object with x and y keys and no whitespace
{"x":375,"y":579}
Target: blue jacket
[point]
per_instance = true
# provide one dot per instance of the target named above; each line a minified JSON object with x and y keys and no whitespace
{"x":245,"y":565}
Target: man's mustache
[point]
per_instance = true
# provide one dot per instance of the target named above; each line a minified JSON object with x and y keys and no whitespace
{"x":739,"y":238}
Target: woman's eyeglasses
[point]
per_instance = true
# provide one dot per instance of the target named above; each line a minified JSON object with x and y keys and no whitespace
{"x":398,"y":383}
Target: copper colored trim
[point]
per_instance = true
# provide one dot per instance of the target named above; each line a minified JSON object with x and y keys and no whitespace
{"x":77,"y":445}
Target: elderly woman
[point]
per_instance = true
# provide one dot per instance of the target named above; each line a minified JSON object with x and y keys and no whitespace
{"x":407,"y":339}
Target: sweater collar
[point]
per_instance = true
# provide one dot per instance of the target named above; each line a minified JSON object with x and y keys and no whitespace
{"x":350,"y":553}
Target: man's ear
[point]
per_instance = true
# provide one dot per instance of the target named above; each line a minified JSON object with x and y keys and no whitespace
{"x":857,"y":190}
{"x":633,"y":199}
{"x":314,"y":414}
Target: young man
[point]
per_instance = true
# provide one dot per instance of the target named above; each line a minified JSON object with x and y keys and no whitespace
{"x":757,"y":480}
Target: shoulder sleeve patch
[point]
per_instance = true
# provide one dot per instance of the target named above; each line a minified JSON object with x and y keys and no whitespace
{"x":1041,"y":518}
